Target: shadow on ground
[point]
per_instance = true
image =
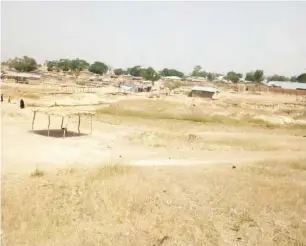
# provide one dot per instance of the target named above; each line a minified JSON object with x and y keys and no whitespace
{"x":57,"y":133}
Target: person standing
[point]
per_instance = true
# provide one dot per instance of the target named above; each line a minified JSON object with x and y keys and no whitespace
{"x":21,"y":104}
{"x":1,"y":97}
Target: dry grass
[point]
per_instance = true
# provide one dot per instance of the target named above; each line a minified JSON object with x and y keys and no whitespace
{"x":37,"y":173}
{"x":258,"y":204}
{"x":167,"y":110}
{"x":219,"y":142}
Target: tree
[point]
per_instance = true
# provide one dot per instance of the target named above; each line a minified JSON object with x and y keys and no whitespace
{"x":149,"y":74}
{"x":234,"y":77}
{"x":64,"y":64}
{"x":172,"y":85}
{"x":210,"y":76}
{"x":98,"y":68}
{"x":24,"y":64}
{"x":78,"y":65}
{"x":276,"y":77}
{"x":250,"y":76}
{"x":301,"y":78}
{"x":293,"y":79}
{"x":257,"y":76}
{"x":196,"y":71}
{"x":203,"y":74}
{"x":171,"y":72}
{"x":119,"y":71}
{"x":135,"y":71}
{"x":52,"y":65}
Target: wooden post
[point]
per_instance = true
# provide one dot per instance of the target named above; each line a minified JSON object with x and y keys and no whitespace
{"x":79,"y":123}
{"x":62,"y":122}
{"x":91,"y":124}
{"x":33,"y":120}
{"x":48,"y":125}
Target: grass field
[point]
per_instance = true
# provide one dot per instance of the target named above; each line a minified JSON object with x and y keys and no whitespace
{"x":153,"y":172}
{"x":256,"y":204}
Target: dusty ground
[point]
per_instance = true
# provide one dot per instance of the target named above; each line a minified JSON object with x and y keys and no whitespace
{"x":174,"y":179}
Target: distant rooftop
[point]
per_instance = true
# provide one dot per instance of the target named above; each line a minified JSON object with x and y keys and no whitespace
{"x":288,"y":85}
{"x":206,"y":88}
{"x":23,"y":75}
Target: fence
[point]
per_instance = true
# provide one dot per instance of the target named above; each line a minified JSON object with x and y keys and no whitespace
{"x":262,"y":88}
{"x":69,"y":89}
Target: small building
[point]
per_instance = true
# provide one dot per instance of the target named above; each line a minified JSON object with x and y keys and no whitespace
{"x":205,"y":92}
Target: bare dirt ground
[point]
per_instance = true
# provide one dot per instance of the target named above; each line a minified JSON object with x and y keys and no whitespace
{"x":154,"y":171}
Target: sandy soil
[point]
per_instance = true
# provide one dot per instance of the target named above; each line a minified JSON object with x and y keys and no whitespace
{"x":136,"y":143}
{"x":184,"y":175}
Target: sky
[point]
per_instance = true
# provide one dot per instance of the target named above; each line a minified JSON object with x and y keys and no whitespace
{"x":218,"y":36}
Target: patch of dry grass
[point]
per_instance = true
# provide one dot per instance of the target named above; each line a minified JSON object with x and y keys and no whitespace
{"x":37,"y":173}
{"x":32,"y":95}
{"x":217,"y":141}
{"x":118,"y":205}
{"x":167,"y":110}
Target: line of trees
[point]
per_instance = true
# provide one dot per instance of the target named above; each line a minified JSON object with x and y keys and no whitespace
{"x":28,"y":64}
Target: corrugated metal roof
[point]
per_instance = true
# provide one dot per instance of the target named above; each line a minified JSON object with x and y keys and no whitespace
{"x":201,"y":88}
{"x":173,"y":77}
{"x":288,"y":85}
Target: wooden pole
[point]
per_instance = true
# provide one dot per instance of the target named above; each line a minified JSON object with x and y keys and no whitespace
{"x":48,"y":125}
{"x":91,"y":124}
{"x":79,"y":123}
{"x":33,"y":120}
{"x":62,"y":122}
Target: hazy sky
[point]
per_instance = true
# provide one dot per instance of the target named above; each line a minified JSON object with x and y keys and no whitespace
{"x":219,"y":36}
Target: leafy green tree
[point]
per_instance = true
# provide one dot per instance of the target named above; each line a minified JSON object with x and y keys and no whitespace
{"x":171,"y":72}
{"x":210,"y":76}
{"x":234,"y":77}
{"x":276,"y":77}
{"x":98,"y":68}
{"x":119,"y":71}
{"x":301,"y":78}
{"x":78,"y":65}
{"x":196,"y":71}
{"x":135,"y":71}
{"x":250,"y":76}
{"x":293,"y":79}
{"x":257,"y":76}
{"x":24,"y":64}
{"x":149,"y":74}
{"x":52,"y":65}
{"x":64,"y":64}
{"x":203,"y":74}
{"x":128,"y":71}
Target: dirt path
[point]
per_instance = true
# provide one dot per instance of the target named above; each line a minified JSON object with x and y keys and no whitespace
{"x":23,"y":150}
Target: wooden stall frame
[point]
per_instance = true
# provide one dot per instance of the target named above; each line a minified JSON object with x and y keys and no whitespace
{"x":69,"y":115}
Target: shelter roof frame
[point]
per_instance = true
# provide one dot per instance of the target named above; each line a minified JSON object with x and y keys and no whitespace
{"x":63,"y":115}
